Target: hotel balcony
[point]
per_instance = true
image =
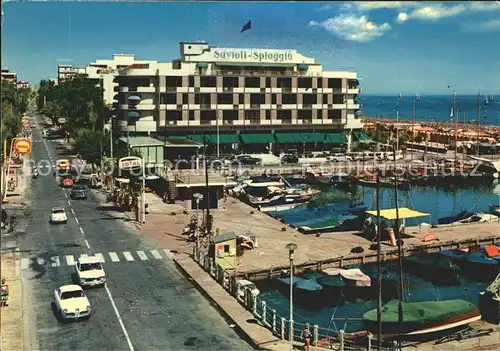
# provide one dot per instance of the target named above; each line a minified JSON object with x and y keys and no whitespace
{"x":353,"y":91}
{"x":122,"y":89}
{"x":146,"y":89}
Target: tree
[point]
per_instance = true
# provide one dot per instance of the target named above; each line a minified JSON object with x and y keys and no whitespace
{"x":91,"y":145}
{"x":52,"y":110}
{"x":12,"y":124}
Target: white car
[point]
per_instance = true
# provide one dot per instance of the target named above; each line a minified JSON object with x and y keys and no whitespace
{"x":58,"y":215}
{"x":339,"y":158}
{"x":71,"y":302}
{"x":89,"y":271}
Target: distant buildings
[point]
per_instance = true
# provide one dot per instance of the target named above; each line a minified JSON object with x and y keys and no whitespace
{"x":11,"y":77}
{"x":102,"y":71}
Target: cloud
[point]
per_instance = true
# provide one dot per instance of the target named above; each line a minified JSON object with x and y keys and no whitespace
{"x":437,"y":12}
{"x":402,"y":17}
{"x":375,"y":5}
{"x":326,"y":7}
{"x":353,"y":28}
{"x":478,"y":27}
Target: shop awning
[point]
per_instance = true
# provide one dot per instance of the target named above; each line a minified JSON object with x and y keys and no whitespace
{"x":335,"y":138}
{"x":362,"y":137}
{"x":134,"y":114}
{"x":202,"y":65}
{"x":288,"y":137}
{"x":312,"y":137}
{"x":212,"y":138}
{"x":256,"y":138}
{"x":303,"y":67}
{"x":404,"y":213}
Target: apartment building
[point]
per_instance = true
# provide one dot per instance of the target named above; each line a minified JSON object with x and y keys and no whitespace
{"x":233,"y":91}
{"x":102,"y":71}
{"x":9,"y":76}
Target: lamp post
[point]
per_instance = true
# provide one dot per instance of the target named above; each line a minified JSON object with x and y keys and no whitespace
{"x":291,"y":247}
{"x":143,"y":215}
{"x":198,"y":198}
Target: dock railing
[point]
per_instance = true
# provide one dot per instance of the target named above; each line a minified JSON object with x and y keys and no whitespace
{"x":268,"y":316}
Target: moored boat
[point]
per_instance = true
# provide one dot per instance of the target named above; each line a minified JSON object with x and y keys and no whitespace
{"x":481,"y":267}
{"x":314,"y":177}
{"x":422,"y":318}
{"x":333,"y":289}
{"x":437,"y":269}
{"x":495,"y":210}
{"x":458,"y":217}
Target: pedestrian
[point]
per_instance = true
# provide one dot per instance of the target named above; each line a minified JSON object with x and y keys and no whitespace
{"x":4,"y":294}
{"x":306,"y":335}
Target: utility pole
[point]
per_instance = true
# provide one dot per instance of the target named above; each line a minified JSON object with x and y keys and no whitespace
{"x":207,"y":187}
{"x":455,"y":119}
{"x":379,"y":269}
{"x":413,"y":117}
{"x":478,"y":118}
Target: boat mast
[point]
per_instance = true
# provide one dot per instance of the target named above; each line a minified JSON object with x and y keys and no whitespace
{"x":400,"y":252}
{"x":379,"y":270}
{"x":478,"y":117}
{"x":455,"y":119}
{"x":413,"y":124}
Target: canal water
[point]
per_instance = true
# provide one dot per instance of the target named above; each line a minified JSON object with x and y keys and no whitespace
{"x":438,"y":202}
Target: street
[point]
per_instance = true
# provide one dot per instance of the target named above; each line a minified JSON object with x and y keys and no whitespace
{"x":146,"y":303}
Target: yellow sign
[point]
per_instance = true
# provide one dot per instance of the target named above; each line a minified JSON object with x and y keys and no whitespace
{"x":22,"y":146}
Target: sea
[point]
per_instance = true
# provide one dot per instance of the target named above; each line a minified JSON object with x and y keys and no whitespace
{"x":433,"y":108}
{"x":436,"y":201}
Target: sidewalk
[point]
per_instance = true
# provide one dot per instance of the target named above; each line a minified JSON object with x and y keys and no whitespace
{"x":11,"y":319}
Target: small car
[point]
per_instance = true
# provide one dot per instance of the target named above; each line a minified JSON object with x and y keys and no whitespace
{"x":89,"y":271}
{"x":58,"y":215}
{"x":71,"y":302}
{"x":339,"y":158}
{"x":79,"y":192}
{"x":246,"y":160}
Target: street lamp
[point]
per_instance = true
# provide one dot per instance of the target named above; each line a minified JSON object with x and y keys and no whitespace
{"x":291,"y":247}
{"x":198,"y":198}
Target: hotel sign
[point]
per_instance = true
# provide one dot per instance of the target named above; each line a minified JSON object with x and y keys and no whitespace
{"x":255,"y":55}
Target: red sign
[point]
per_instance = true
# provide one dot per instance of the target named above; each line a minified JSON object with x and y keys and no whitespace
{"x":12,"y":172}
{"x":130,"y":162}
{"x":67,"y":182}
{"x":13,"y":164}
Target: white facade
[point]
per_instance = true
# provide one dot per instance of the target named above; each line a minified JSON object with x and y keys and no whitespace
{"x":211,"y":86}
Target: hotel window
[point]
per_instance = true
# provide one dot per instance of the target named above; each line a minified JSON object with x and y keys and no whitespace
{"x":325,"y":99}
{"x":225,"y":99}
{"x":252,"y":82}
{"x":208,"y":81}
{"x":241,"y":99}
{"x":268,"y":114}
{"x":309,"y":99}
{"x":191,"y":81}
{"x":304,"y":82}
{"x":168,"y":98}
{"x":284,"y":82}
{"x":320,"y":114}
{"x":320,"y":82}
{"x":268,"y":82}
{"x":173,"y":81}
{"x":230,"y":82}
{"x":335,"y":115}
{"x":257,"y":99}
{"x":191,"y":115}
{"x":288,"y":99}
{"x":273,"y":99}
{"x":185,"y":99}
{"x":334,"y":83}
{"x":176,"y":64}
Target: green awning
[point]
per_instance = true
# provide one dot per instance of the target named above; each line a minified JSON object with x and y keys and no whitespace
{"x":212,"y":138}
{"x":303,"y":67}
{"x":288,"y":137}
{"x":202,"y":65}
{"x":335,"y":138}
{"x":257,"y":138}
{"x":176,"y":137}
{"x":362,"y":137}
{"x":312,"y":137}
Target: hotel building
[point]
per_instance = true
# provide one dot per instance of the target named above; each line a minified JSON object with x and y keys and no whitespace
{"x":244,"y":95}
{"x":9,"y":76}
{"x":102,"y":71}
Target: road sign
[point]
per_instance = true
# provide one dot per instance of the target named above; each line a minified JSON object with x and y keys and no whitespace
{"x":22,"y":146}
{"x":129,"y":163}
{"x":61,"y":120}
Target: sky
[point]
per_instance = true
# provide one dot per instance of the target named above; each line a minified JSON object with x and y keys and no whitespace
{"x":407,"y":47}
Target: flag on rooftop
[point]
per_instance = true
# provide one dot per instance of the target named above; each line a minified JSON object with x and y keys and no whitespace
{"x":247,"y":26}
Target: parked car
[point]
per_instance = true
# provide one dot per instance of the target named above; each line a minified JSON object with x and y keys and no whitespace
{"x":289,"y":158}
{"x":90,"y":271}
{"x":79,"y":192}
{"x":339,"y":158}
{"x":246,"y":160}
{"x":71,"y":302}
{"x":58,"y":215}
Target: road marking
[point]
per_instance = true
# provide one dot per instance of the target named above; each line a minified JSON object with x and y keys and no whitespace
{"x":128,"y":256}
{"x":87,"y":244}
{"x":129,"y":342}
{"x":168,"y":253}
{"x":100,"y":257}
{"x":73,"y":211}
{"x":55,"y":261}
{"x":76,"y":220}
{"x":142,"y":255}
{"x":114,"y":257}
{"x":156,"y":254}
{"x":70,"y":260}
{"x":81,"y":230}
{"x":40,"y":261}
{"x":69,"y":203}
{"x":25,"y":263}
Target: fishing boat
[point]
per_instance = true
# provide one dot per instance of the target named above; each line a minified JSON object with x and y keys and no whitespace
{"x":402,"y":184}
{"x":479,"y":218}
{"x":494,"y":209}
{"x":357,"y":283}
{"x":457,"y":255}
{"x":421,"y":318}
{"x":481,"y":267}
{"x":368,"y":182}
{"x":333,"y":288}
{"x":317,"y":177}
{"x":437,"y":269}
{"x":456,"y":218}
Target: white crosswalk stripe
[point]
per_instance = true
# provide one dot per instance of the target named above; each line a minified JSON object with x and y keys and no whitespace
{"x":70,"y":261}
{"x":168,"y":253}
{"x":114,"y":257}
{"x":156,"y":254}
{"x":128,"y":256}
{"x":142,"y":255}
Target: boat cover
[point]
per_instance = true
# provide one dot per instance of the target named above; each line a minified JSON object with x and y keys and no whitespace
{"x":492,"y":250}
{"x":313,"y":275}
{"x":454,"y":254}
{"x":356,"y":275}
{"x":308,"y":285}
{"x":481,"y":258}
{"x":332,"y":281}
{"x":416,"y":315}
{"x":287,"y":280}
